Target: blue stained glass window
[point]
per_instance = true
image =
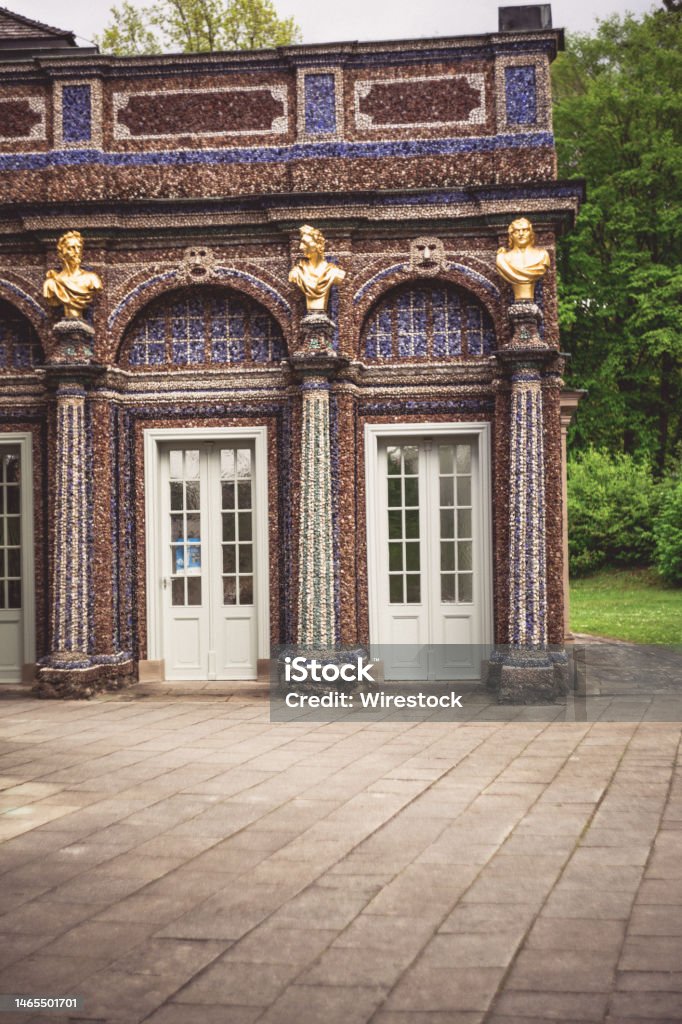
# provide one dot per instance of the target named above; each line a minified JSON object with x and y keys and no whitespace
{"x":435,"y":321}
{"x":204,"y":326}
{"x":19,"y":345}
{"x":520,"y":94}
{"x":320,"y":104}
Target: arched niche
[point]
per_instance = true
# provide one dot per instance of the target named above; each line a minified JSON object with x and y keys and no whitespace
{"x":202,"y":326}
{"x":20,"y":347}
{"x":429,"y":320}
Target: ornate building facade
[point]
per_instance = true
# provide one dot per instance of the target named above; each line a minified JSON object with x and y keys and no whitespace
{"x":193,"y":473}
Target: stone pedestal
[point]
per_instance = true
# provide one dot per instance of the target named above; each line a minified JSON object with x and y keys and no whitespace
{"x":315,"y":363}
{"x":70,"y":669}
{"x":526,"y":672}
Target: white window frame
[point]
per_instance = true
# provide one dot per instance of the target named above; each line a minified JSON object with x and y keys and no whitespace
{"x":154,"y":438}
{"x":376,"y":432}
{"x":24,"y":441}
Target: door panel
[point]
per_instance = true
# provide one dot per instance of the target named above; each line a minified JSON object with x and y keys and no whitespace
{"x":11,"y":615}
{"x":209,"y":561}
{"x":429,"y":558}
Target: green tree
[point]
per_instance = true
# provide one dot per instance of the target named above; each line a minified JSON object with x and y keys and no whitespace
{"x":618,"y":124}
{"x":128,"y":34}
{"x":193,"y":26}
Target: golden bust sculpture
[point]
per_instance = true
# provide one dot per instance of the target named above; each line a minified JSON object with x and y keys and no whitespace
{"x":521,"y":263}
{"x":71,"y":287}
{"x":312,"y":274}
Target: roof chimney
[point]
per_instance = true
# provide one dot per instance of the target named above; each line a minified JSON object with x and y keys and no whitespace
{"x":525,"y":19}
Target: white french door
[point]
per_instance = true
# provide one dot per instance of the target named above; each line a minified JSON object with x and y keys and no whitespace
{"x":208,"y":555}
{"x":17,"y":644}
{"x":429,"y":554}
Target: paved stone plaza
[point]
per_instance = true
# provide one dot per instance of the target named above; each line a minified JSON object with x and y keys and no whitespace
{"x":188,"y":862}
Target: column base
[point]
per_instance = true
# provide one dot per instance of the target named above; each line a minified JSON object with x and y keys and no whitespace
{"x":528,"y":676}
{"x":75,"y":676}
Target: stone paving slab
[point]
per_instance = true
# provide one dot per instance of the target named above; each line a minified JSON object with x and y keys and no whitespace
{"x":186,"y":861}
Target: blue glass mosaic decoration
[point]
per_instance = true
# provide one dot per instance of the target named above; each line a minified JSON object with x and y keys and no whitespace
{"x":76,"y":113}
{"x":520,"y":95}
{"x":320,"y":104}
{"x":19,"y":345}
{"x":204,"y":326}
{"x":436,"y":321}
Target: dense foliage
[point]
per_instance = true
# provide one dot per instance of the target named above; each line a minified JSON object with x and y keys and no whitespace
{"x":193,"y":26}
{"x":612,"y":504}
{"x":668,"y":534}
{"x":618,"y":124}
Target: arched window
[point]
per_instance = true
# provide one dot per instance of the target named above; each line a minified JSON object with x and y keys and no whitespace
{"x":203,"y":327}
{"x":19,"y":345}
{"x":428,"y":321}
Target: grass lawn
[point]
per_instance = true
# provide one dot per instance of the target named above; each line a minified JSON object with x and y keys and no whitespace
{"x":629,"y":605}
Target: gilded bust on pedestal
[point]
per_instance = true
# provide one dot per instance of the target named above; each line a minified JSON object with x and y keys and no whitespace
{"x":71,"y":287}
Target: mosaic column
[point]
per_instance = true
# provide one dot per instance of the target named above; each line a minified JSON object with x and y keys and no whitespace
{"x":69,"y":669}
{"x":527,"y":671}
{"x":315,"y":364}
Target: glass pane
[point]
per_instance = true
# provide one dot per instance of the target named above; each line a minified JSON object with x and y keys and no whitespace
{"x":229,"y":558}
{"x":192,"y":495}
{"x":228,"y":495}
{"x":3,"y":574}
{"x":13,"y":530}
{"x":193,"y":527}
{"x":395,"y":557}
{"x":466,"y":586}
{"x":12,"y":500}
{"x":246,"y":589}
{"x":177,"y":559}
{"x":464,"y":557}
{"x":445,"y":458}
{"x":245,"y":558}
{"x":178,"y":592}
{"x":395,"y":589}
{"x":194,"y":590}
{"x":395,"y":524}
{"x":463,"y":490}
{"x":447,"y":556}
{"x":176,"y":465}
{"x":229,"y":526}
{"x":177,"y":530}
{"x":412,"y":523}
{"x":13,"y":562}
{"x":12,"y":469}
{"x":411,"y":491}
{"x":447,"y":524}
{"x":191,"y":465}
{"x":244,"y":494}
{"x":243,"y":462}
{"x":394,"y":493}
{"x":464,"y":522}
{"x":226,"y":463}
{"x":393,"y":459}
{"x":245,"y":530}
{"x":463,"y":458}
{"x":229,"y":590}
{"x":447,"y":491}
{"x":412,"y":556}
{"x":2,"y":525}
{"x":14,"y":594}
{"x":411,"y":454}
{"x":413,"y":588}
{"x":447,"y":586}
{"x":2,"y":594}
{"x":176,"y":496}
{"x":193,"y":557}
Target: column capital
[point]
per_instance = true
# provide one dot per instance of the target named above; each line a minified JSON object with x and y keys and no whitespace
{"x":74,"y":342}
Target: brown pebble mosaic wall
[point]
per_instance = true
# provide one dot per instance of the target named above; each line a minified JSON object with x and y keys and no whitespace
{"x":189,"y":177}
